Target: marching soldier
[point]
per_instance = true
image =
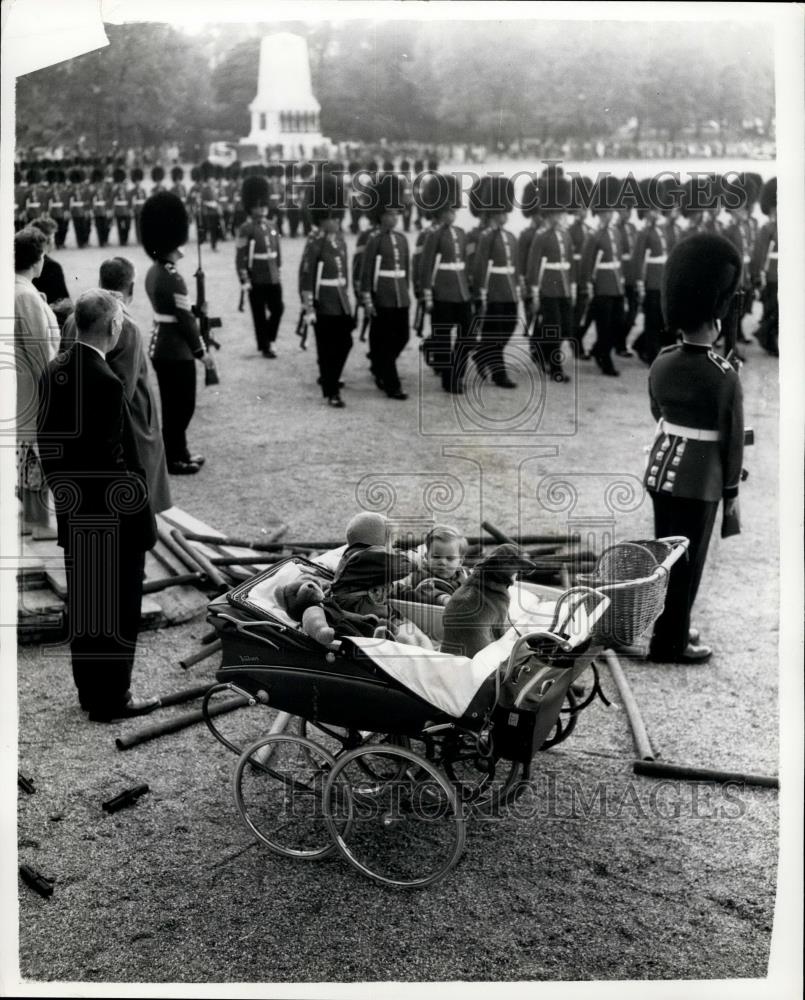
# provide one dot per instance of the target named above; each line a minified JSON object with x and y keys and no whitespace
{"x":408,"y":204}
{"x":80,"y":207}
{"x":549,"y":278}
{"x":628,"y":239}
{"x":384,"y":281}
{"x":178,"y":188}
{"x":578,"y":231}
{"x":293,"y":209}
{"x":222,"y":191}
{"x":276,"y":194}
{"x":416,"y":282}
{"x":304,"y":192}
{"x":122,"y":207}
{"x":671,"y":196}
{"x":531,"y":210}
{"x":324,"y":284}
{"x":477,"y":211}
{"x":193,"y":203}
{"x":737,"y":194}
{"x":443,"y":281}
{"x":138,"y":198}
{"x":56,"y":206}
{"x":101,"y":206}
{"x":699,"y":206}
{"x":258,"y":261}
{"x":602,"y":273}
{"x":649,"y":258}
{"x":210,"y":209}
{"x":496,"y":282}
{"x":157,"y":177}
{"x":764,"y":269}
{"x":34,"y":195}
{"x":695,"y":460}
{"x":176,"y":343}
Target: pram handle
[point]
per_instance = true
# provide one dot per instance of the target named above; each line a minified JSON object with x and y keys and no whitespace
{"x":244,"y":627}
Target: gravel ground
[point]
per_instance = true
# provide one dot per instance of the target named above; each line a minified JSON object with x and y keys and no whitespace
{"x":598,"y":875}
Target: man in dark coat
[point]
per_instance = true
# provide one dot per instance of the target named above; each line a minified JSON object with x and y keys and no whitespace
{"x":695,"y":460}
{"x":105,"y":523}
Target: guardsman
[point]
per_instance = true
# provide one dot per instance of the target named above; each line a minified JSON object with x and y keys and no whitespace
{"x":33,"y":197}
{"x":737,"y":193}
{"x":419,"y":169}
{"x":478,"y":212}
{"x":176,"y":343}
{"x":80,"y":206}
{"x":138,"y":197}
{"x":157,"y":177}
{"x":258,"y":261}
{"x":578,"y":231}
{"x":531,"y":210}
{"x":101,"y":206}
{"x":649,"y":258}
{"x":324,"y":283}
{"x":384,"y":282}
{"x":209,"y":207}
{"x":276,"y":194}
{"x":695,"y":461}
{"x":628,"y":239}
{"x":353,"y":197}
{"x":293,"y":208}
{"x":549,"y":277}
{"x":178,"y":188}
{"x":602,"y":273}
{"x":764,"y":269}
{"x":304,"y":191}
{"x":671,"y":200}
{"x":698,"y":206}
{"x":193,"y":203}
{"x":359,"y":199}
{"x":416,"y":283}
{"x":443,"y":281}
{"x":57,"y":206}
{"x":20,"y":194}
{"x":121,"y":206}
{"x":408,"y":204}
{"x":496,"y":281}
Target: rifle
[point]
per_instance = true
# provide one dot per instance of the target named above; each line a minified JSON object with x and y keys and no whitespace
{"x":205,"y":322}
{"x":419,"y":319}
{"x":367,"y":319}
{"x":242,"y":299}
{"x":302,"y":327}
{"x":730,"y":327}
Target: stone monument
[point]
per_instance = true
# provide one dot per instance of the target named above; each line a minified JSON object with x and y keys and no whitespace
{"x":285,"y":114}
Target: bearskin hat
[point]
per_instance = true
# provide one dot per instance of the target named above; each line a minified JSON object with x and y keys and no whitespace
{"x":76,"y":175}
{"x":96,"y":176}
{"x":698,"y":195}
{"x":137,"y":174}
{"x":405,"y":165}
{"x":606,"y":194}
{"x":17,"y":176}
{"x":50,"y":176}
{"x":61,"y":177}
{"x":275,"y":170}
{"x":419,"y":166}
{"x":330,"y":167}
{"x":768,"y":196}
{"x":195,"y":174}
{"x":353,"y":166}
{"x":580,"y":192}
{"x":254,"y":192}
{"x":647,"y":196}
{"x":34,"y":175}
{"x":388,"y":192}
{"x":388,"y":166}
{"x":479,"y":197}
{"x":754,"y":185}
{"x":326,"y":198}
{"x":552,"y":170}
{"x":701,"y":277}
{"x":438,"y":192}
{"x":529,"y":200}
{"x":433,"y":164}
{"x":499,"y":194}
{"x":163,"y":223}
{"x":733,"y":191}
{"x":207,"y":170}
{"x":233,"y":171}
{"x":372,"y":166}
{"x":177,"y":174}
{"x":118,"y":175}
{"x":554,"y":192}
{"x":220,"y":172}
{"x":157,"y":173}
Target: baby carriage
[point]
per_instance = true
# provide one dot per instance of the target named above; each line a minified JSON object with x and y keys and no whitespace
{"x":394,"y":746}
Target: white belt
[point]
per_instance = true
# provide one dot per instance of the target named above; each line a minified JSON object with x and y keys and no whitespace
{"x":747,"y":258}
{"x":576,"y":256}
{"x":557,"y":265}
{"x":626,"y":256}
{"x":457,"y":265}
{"x":662,"y":259}
{"x":773,"y":256}
{"x":502,"y":270}
{"x":609,"y":265}
{"x":56,"y":204}
{"x":396,"y":273}
{"x":33,"y":204}
{"x":692,"y":433}
{"x":121,"y":201}
{"x":264,"y":256}
{"x":164,"y":318}
{"x":333,"y":282}
{"x":211,"y":204}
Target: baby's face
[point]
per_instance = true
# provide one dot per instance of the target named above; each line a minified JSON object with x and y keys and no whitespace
{"x":443,"y":558}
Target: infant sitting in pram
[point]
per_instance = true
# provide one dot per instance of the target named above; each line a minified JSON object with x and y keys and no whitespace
{"x":440,"y":572}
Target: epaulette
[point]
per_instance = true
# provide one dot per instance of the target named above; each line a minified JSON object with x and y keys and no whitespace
{"x":720,"y":362}
{"x":170,"y":267}
{"x":670,"y":347}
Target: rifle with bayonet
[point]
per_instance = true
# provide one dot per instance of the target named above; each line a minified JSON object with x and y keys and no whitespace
{"x":206,"y":323}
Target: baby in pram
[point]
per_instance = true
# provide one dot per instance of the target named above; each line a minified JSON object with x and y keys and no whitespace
{"x":441,"y":571}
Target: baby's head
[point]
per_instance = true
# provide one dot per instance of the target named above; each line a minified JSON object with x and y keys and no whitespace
{"x":444,"y":551}
{"x":367,"y":528}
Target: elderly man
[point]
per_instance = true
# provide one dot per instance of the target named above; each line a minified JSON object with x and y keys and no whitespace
{"x":128,"y":361}
{"x":105,"y":523}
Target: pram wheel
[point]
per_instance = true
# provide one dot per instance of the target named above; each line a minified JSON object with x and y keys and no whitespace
{"x":484,"y":783}
{"x":565,"y":723}
{"x":337,"y":740}
{"x":279,"y":785}
{"x":407,"y":832}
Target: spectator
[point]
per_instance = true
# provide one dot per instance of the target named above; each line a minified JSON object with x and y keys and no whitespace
{"x":51,"y":281}
{"x":36,"y":339}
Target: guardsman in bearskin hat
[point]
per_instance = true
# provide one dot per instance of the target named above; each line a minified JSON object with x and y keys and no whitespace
{"x":602,"y":272}
{"x":359,"y":200}
{"x":176,"y":343}
{"x":101,"y":206}
{"x":138,"y":198}
{"x":304,"y":191}
{"x":385,"y":277}
{"x":33,"y":197}
{"x":699,"y":205}
{"x":443,"y":275}
{"x":649,"y":258}
{"x":258,"y":260}
{"x":193,"y":203}
{"x":628,"y":239}
{"x":671,"y":193}
{"x":353,"y":169}
{"x":80,"y":206}
{"x":477,"y":211}
{"x":157,"y":177}
{"x":531,"y":210}
{"x":419,"y":169}
{"x":57,"y":207}
{"x":496,"y":281}
{"x":324,"y":283}
{"x":122,"y":207}
{"x":210,"y":209}
{"x":764,"y":269}
{"x":276,"y":194}
{"x":548,"y":277}
{"x":737,"y":193}
{"x":578,"y":231}
{"x":293,"y":208}
{"x":178,"y":188}
{"x":696,"y":458}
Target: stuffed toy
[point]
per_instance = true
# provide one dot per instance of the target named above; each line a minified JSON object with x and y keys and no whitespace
{"x":302,"y":600}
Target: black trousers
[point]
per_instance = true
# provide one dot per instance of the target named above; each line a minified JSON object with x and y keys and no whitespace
{"x":497,"y":328}
{"x":607,"y":310}
{"x":104,"y":593}
{"x":211,"y":226}
{"x":267,"y":309}
{"x":694,"y":519}
{"x":102,"y":226}
{"x":628,"y":319}
{"x":137,"y":229}
{"x":62,"y":225}
{"x":333,"y":344}
{"x":554,"y":324}
{"x":768,"y":330}
{"x":177,"y":389}
{"x":123,"y":229}
{"x":294,"y":214}
{"x":83,"y":228}
{"x":448,"y":355}
{"x":651,"y":339}
{"x":388,"y":335}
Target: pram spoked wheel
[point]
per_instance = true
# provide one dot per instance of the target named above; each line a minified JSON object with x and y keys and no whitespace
{"x":279,"y":787}
{"x":337,"y":740}
{"x":407,"y":832}
{"x":485,"y":783}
